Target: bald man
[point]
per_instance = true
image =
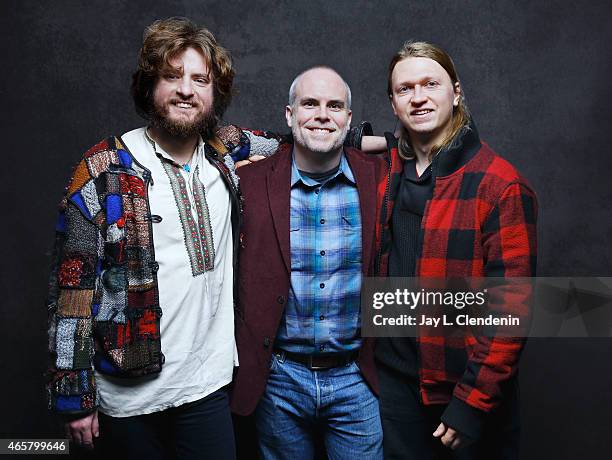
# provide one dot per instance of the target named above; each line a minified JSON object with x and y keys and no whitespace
{"x":307,"y":239}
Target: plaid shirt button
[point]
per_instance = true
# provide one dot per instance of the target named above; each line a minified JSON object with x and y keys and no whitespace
{"x":322,"y":285}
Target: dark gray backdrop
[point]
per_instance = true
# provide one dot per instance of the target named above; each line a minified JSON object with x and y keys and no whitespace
{"x":536,"y":76}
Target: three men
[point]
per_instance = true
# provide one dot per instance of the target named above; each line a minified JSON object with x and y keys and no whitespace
{"x":306,"y":241}
{"x":149,"y":226}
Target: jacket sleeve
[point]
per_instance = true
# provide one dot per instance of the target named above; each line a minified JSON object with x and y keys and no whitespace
{"x":243,"y":143}
{"x":510,"y":249}
{"x":76,"y":260}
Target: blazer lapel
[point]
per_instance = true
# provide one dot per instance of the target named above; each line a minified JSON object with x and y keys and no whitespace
{"x":364,"y":172}
{"x":279,"y":196}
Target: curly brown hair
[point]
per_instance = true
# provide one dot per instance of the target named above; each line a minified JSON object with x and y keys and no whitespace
{"x":165,"y":39}
{"x":461,"y":114}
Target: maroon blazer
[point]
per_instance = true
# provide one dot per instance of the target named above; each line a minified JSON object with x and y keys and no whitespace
{"x":265,"y":266}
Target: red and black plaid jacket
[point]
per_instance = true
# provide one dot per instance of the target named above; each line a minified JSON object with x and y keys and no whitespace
{"x":480,"y":222}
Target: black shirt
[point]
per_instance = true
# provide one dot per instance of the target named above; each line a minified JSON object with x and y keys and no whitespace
{"x":400,"y":353}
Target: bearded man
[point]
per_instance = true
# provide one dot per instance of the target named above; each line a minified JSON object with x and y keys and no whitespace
{"x":149,"y":225}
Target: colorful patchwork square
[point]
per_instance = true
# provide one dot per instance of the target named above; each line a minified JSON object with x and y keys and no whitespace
{"x":70,"y":273}
{"x":131,"y":184}
{"x":105,"y":333}
{"x":115,"y":252}
{"x":99,"y":162}
{"x":81,"y":235}
{"x":141,"y":298}
{"x":77,"y":200}
{"x":148,"y":324}
{"x":113,"y":184}
{"x":88,"y":401}
{"x":83,"y":345}
{"x":125,"y":158}
{"x":140,"y":209}
{"x":77,"y":270}
{"x":105,"y":366}
{"x":124,"y":334}
{"x":112,"y":306}
{"x":113,"y":279}
{"x":138,"y":234}
{"x":135,"y":208}
{"x":68,"y":403}
{"x":116,"y":357}
{"x":90,"y":197}
{"x":86,"y":380}
{"x":65,"y":383}
{"x":65,"y":334}
{"x":259,"y":145}
{"x":102,"y":145}
{"x":79,"y":177}
{"x":75,"y":302}
{"x":114,"y":233}
{"x":140,"y":275}
{"x":114,"y":210}
{"x":139,"y":354}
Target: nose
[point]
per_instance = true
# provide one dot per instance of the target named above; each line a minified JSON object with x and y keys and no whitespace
{"x":418,"y":97}
{"x":185,"y":88}
{"x":322,"y":113}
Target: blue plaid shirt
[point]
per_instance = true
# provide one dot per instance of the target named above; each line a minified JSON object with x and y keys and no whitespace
{"x":322,"y":314}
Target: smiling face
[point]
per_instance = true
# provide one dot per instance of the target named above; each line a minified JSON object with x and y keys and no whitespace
{"x":423,"y":97}
{"x":319,"y":117}
{"x":183,"y":96}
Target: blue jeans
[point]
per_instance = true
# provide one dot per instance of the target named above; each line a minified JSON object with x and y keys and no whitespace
{"x":299,"y":402}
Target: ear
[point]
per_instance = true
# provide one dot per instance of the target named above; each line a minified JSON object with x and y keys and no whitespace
{"x":288,"y":113}
{"x":457,"y":98}
{"x":350,"y":117}
{"x":393,"y":105}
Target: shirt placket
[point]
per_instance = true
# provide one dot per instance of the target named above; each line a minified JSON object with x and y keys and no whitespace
{"x":318,"y":195}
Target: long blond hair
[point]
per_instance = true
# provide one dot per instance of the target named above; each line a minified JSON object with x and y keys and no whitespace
{"x":460,"y":117}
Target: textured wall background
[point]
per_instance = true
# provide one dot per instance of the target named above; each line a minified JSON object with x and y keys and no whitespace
{"x":536,"y":75}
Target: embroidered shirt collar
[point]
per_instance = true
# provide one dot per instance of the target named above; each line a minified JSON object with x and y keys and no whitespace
{"x":162,"y":154}
{"x":344,"y":169}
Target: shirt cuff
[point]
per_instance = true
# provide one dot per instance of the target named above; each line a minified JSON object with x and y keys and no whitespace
{"x":464,"y":418}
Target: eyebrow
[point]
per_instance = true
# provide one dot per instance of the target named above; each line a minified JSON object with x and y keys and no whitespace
{"x":419,"y":80}
{"x":314,"y":99}
{"x":169,"y":70}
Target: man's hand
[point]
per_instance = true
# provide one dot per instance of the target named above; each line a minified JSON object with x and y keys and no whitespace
{"x":450,"y":437}
{"x":83,"y":430}
{"x":251,"y":159}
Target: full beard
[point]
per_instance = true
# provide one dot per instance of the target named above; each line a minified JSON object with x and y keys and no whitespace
{"x":204,"y":124}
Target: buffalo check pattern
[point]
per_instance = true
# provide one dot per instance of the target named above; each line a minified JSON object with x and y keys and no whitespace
{"x":480,"y":222}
